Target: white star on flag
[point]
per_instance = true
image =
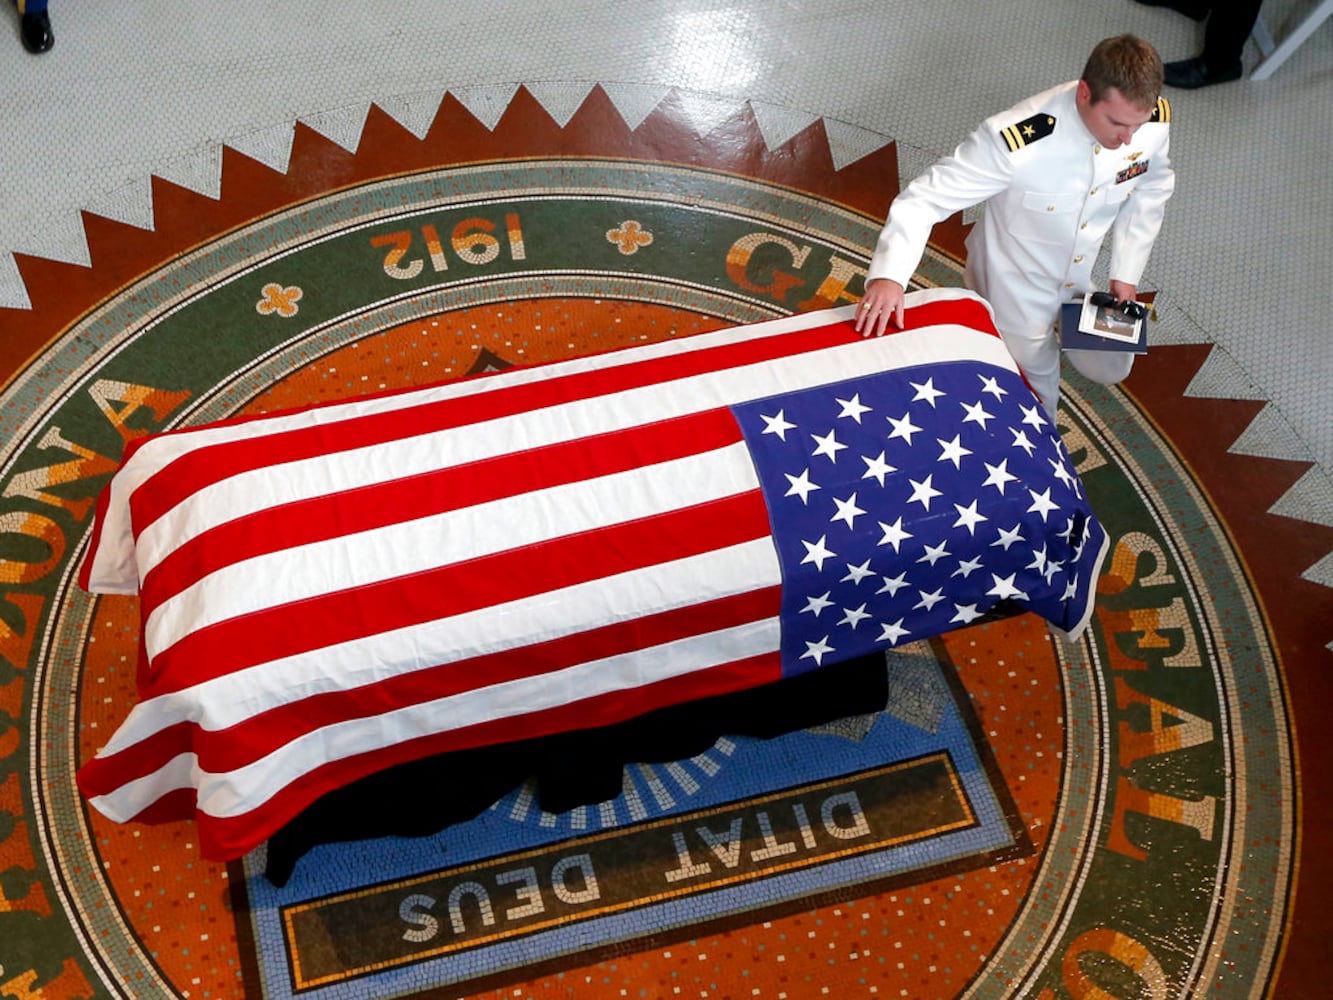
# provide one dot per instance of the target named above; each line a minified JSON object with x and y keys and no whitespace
{"x":877,"y":468}
{"x":934,"y":553}
{"x":1005,"y":588}
{"x":998,"y":475}
{"x":966,"y":614}
{"x":855,"y":574}
{"x":847,"y":511}
{"x":968,"y":517}
{"x":853,"y":616}
{"x":817,"y":552}
{"x":928,"y":601}
{"x":1021,"y":440}
{"x":966,"y":567}
{"x":1038,"y":560}
{"x":953,"y":451}
{"x":989,"y":384}
{"x":828,"y":445}
{"x":777,"y":425}
{"x":1061,"y":472}
{"x":1032,"y":415}
{"x":1042,"y":503}
{"x":923,"y":492}
{"x":801,"y":485}
{"x":1078,"y":548}
{"x":853,"y":408}
{"x":976,"y":413}
{"x":817,"y":604}
{"x":903,"y":427}
{"x":893,"y":584}
{"x":816,"y":650}
{"x":894,"y":534}
{"x":926,"y":391}
{"x":892,"y":633}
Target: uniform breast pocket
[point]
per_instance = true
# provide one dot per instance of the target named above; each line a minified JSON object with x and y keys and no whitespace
{"x":1117,"y":193}
{"x":1046,"y":217}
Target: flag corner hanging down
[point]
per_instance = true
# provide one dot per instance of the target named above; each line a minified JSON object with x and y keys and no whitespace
{"x":328,"y":592}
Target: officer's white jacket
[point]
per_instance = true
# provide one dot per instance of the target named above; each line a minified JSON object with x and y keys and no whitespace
{"x":1053,"y":193}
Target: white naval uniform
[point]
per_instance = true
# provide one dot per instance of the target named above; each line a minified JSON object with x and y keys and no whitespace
{"x":1052,"y":199}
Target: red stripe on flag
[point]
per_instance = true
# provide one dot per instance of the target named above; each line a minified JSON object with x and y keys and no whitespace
{"x":345,"y":615}
{"x":961,"y":312}
{"x":178,"y":804}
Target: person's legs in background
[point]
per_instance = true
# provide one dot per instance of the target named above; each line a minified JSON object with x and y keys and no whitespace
{"x":1196,"y":11}
{"x":35,"y":25}
{"x":1229,"y":24}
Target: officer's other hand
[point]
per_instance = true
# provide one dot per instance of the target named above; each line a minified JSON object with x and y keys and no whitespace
{"x":882,"y":304}
{"x":1124,"y":291}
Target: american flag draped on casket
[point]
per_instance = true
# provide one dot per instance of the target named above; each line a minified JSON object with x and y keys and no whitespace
{"x":328,"y":592}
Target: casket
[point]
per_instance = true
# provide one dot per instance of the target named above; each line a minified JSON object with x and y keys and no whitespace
{"x":331,"y":592}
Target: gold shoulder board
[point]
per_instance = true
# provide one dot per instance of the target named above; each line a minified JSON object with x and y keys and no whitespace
{"x":1029,"y":130}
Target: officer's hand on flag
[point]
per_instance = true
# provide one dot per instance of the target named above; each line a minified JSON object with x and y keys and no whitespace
{"x":883,"y":302}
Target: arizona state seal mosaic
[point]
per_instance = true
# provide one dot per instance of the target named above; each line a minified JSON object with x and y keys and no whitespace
{"x":1024,"y":817}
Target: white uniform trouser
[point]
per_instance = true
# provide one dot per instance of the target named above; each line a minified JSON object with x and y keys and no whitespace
{"x":1025,"y":318}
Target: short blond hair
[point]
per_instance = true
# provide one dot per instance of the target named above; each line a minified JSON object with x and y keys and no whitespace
{"x":1128,"y":64}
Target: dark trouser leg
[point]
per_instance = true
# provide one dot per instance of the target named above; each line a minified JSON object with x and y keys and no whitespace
{"x":1228,"y":26}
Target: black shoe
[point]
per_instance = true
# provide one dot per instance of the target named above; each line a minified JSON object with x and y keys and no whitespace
{"x":36,"y":32}
{"x":1191,"y":74}
{"x":1194,"y":12}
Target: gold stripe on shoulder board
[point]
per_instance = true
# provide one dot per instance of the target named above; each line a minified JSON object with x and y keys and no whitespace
{"x":1162,"y":113}
{"x":1029,"y":130}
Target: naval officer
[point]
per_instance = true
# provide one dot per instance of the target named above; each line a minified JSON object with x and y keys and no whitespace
{"x":1058,"y":172}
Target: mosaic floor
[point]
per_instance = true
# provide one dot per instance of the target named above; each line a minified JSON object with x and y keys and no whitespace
{"x":1132,"y":807}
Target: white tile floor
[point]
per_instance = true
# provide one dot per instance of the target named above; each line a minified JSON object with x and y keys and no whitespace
{"x":154,"y":86}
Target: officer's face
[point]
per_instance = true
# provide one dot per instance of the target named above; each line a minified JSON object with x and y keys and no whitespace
{"x":1112,"y":120}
